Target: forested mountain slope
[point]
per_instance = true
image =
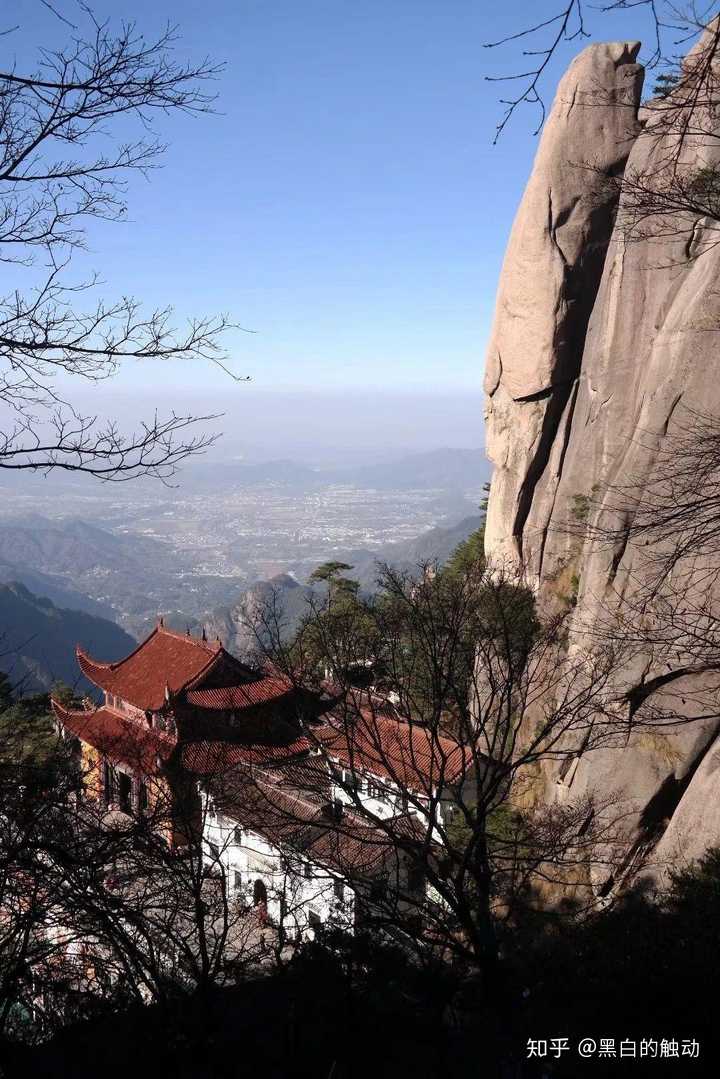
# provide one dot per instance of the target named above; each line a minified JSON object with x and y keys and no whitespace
{"x":39,"y":639}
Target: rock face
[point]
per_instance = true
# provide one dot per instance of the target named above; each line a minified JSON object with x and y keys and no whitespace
{"x":550,"y":279}
{"x":599,"y":347}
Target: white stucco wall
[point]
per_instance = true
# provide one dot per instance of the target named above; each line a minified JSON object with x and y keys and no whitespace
{"x":382,"y":798}
{"x":306,"y":891}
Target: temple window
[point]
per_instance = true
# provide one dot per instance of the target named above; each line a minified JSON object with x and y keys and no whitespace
{"x":108,"y":783}
{"x":124,"y":792}
{"x":374,"y":790}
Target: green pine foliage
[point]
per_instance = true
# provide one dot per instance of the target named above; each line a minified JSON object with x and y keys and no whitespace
{"x":31,"y":752}
{"x":468,"y":556}
{"x":666,"y":82}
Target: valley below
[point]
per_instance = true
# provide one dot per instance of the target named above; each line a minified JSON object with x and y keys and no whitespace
{"x":131,"y":553}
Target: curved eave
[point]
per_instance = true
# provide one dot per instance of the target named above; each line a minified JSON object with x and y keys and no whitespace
{"x":60,"y":711}
{"x":97,"y":673}
{"x":115,"y":737}
{"x":108,"y":676}
{"x":237,"y":698}
{"x":80,"y":652}
{"x":196,"y":680}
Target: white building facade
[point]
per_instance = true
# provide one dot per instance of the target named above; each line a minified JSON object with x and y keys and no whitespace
{"x":297,"y":894}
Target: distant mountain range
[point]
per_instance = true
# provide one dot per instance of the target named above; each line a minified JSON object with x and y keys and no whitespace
{"x":42,"y":624}
{"x":38,"y":641}
{"x":55,"y":589}
{"x":445,"y":469}
{"x":73,"y":547}
{"x":195,"y":557}
{"x":82,"y":567}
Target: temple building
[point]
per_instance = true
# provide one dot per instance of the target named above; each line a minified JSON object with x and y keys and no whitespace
{"x":281,"y":843}
{"x":179,"y":706}
{"x":395,"y":767}
{"x":259,"y":773}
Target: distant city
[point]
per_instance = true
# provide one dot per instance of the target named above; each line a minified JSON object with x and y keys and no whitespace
{"x":129,"y":552}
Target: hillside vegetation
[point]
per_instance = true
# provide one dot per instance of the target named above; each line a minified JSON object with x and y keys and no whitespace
{"x":39,"y":639}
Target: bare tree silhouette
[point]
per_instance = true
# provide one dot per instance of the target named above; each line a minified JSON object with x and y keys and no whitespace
{"x":670,"y":192}
{"x":65,"y":159}
{"x":429,"y":744}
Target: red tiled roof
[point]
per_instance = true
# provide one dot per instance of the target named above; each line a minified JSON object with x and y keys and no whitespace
{"x":309,"y":774}
{"x":227,"y":698}
{"x":218,"y":757}
{"x":295,"y":820}
{"x":407,"y":754}
{"x":163,"y":659}
{"x":118,"y":738}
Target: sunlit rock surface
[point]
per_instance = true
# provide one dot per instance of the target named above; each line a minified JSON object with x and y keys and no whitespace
{"x":600,"y":352}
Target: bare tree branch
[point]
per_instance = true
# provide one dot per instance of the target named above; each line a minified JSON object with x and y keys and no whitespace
{"x":53,"y":181}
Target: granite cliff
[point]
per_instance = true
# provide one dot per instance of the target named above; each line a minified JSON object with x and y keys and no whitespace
{"x":601,"y":350}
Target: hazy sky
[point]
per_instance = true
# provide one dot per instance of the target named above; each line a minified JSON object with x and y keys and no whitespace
{"x":346,"y":204}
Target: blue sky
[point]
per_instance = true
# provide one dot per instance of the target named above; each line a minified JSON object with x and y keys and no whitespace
{"x":346,"y":203}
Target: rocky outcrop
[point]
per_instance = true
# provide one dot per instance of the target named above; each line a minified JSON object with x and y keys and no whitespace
{"x":550,"y":279}
{"x":600,"y":346}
